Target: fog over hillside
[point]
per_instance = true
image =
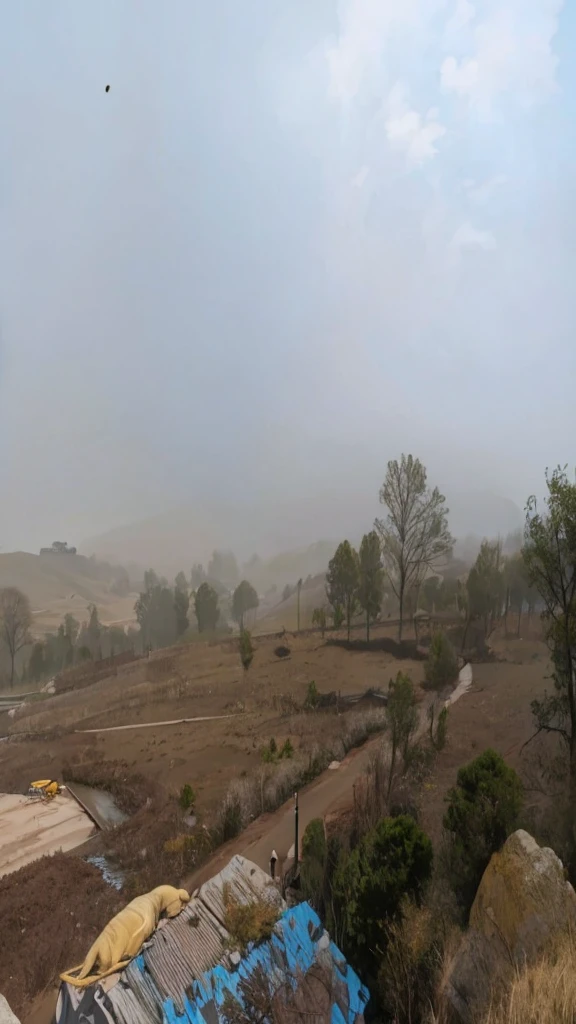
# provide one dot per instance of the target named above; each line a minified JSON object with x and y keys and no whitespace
{"x":188,"y":534}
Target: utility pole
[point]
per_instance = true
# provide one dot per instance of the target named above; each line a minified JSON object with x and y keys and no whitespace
{"x":298,"y":589}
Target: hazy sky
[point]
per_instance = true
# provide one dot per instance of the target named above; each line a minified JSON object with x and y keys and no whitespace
{"x":295,"y":239}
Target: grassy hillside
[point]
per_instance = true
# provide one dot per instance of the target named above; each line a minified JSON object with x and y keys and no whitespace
{"x":57,"y":584}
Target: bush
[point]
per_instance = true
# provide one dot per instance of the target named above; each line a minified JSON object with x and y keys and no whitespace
{"x":391,"y":862}
{"x":402,"y":718}
{"x":314,"y":840}
{"x":438,"y":726}
{"x":338,"y":616}
{"x":442,"y":729}
{"x":312,"y":695}
{"x":442,"y":665}
{"x":231,"y":820}
{"x":408,"y":976}
{"x":483,"y":808}
{"x":544,"y":992}
{"x":246,"y":649}
{"x":187,"y":797}
{"x":287,"y":750}
{"x":189,"y":850}
{"x":247,"y":922}
{"x":319,"y":619}
{"x":313,"y":866}
{"x":271,"y":754}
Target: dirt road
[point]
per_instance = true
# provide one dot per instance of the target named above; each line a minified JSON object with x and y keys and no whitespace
{"x":334,"y":788}
{"x":276,"y":831}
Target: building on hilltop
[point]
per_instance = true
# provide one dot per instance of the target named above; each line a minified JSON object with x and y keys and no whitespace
{"x":191,"y":972}
{"x":59,"y":547}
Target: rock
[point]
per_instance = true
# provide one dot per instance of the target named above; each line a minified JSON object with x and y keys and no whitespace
{"x":523,"y":901}
{"x":6,"y":1015}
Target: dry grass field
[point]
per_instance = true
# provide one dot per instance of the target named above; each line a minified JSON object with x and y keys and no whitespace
{"x":195,"y":680}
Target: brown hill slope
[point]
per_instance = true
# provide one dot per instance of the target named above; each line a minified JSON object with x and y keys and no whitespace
{"x":57,"y":584}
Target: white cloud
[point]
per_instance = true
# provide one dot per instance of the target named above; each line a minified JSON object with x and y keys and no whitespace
{"x":462,"y":16}
{"x":511,"y":55}
{"x":366,"y":29}
{"x":481,"y":192}
{"x":364,"y":25}
{"x":359,"y":179}
{"x":409,"y":132}
{"x":468,"y":237}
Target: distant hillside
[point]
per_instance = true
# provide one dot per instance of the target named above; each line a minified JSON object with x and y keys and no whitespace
{"x":284,"y":614}
{"x":289,"y":567}
{"x":284,"y":535}
{"x":178,"y":539}
{"x":57,"y":584}
{"x":483,"y":514}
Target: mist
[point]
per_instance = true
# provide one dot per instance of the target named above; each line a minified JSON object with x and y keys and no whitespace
{"x":292,"y":242}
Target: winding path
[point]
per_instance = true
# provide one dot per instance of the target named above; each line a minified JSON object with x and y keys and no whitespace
{"x":154,"y":725}
{"x":329,"y":792}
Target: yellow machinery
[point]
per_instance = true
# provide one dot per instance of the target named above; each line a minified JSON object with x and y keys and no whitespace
{"x":45,"y":788}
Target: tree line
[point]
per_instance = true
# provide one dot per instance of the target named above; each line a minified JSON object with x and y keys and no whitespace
{"x":408,"y":543}
{"x":72,"y":643}
{"x":163,"y":613}
{"x":405,"y":553}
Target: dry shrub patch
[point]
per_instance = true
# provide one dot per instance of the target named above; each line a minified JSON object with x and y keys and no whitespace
{"x":45,"y":925}
{"x":247,"y":922}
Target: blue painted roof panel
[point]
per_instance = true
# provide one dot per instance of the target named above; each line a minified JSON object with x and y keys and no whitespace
{"x":187,"y":972}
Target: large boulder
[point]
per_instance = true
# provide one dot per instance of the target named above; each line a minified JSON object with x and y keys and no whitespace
{"x":523,"y":901}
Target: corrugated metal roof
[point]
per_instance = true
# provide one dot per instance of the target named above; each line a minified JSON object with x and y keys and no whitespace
{"x":187,"y":971}
{"x":185,"y":947}
{"x":298,"y":944}
{"x":246,"y":882}
{"x":136,"y":998}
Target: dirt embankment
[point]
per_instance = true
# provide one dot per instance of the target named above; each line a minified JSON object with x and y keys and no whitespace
{"x":49,"y":919}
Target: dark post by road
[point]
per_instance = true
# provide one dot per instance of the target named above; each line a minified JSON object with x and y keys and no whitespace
{"x":296,"y":851}
{"x":273,"y":859}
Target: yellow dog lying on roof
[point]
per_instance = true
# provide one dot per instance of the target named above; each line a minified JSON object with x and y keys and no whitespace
{"x":123,"y":937}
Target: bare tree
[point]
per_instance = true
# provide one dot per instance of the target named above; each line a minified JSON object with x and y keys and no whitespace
{"x":414,"y":535}
{"x":15,"y":622}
